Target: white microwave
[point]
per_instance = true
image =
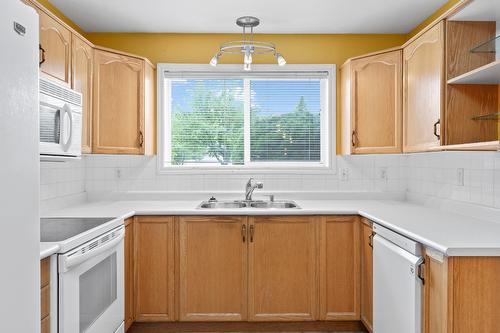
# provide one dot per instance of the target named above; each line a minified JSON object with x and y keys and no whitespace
{"x":60,"y":122}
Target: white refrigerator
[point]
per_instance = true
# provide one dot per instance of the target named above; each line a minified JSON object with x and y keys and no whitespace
{"x":19,"y":169}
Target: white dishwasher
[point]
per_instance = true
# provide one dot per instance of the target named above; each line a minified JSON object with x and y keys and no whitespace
{"x":397,"y":287}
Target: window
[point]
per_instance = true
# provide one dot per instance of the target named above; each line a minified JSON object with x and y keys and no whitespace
{"x":226,"y":119}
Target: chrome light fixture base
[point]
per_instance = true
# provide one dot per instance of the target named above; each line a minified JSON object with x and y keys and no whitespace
{"x":247,"y":46}
{"x":247,"y":21}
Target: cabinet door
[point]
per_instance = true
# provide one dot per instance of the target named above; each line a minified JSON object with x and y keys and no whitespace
{"x":376,"y":95}
{"x":367,"y":275}
{"x":423,"y":90}
{"x":55,"y":43}
{"x":129,"y":272}
{"x":283,"y":268}
{"x":339,"y":268}
{"x":82,"y":54}
{"x":118,"y":104}
{"x":213,"y":268}
{"x":435,"y":309}
{"x":154,"y":242}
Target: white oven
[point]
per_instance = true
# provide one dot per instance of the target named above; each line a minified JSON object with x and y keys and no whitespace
{"x":60,"y":121}
{"x":91,"y":287}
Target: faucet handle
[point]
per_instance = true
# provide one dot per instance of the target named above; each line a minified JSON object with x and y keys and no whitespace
{"x":259,"y":184}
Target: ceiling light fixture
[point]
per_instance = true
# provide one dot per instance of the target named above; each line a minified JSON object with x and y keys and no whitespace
{"x":248,"y":47}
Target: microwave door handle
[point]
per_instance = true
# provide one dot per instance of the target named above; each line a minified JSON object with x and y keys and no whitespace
{"x":77,"y":259}
{"x":67,"y":111}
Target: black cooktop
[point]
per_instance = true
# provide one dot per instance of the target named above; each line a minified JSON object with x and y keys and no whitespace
{"x":59,"y":229}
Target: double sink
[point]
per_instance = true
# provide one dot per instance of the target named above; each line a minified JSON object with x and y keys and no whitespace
{"x":250,"y":186}
{"x":237,"y":204}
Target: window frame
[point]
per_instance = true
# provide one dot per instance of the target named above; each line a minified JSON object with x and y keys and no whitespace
{"x":163,"y":123}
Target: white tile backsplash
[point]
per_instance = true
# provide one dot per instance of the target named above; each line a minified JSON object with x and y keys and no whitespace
{"x":139,"y":173}
{"x":433,"y":175}
{"x":62,"y":184}
{"x":438,"y":175}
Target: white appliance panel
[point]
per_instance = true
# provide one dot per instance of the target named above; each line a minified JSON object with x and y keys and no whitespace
{"x":19,"y":176}
{"x":397,"y":289}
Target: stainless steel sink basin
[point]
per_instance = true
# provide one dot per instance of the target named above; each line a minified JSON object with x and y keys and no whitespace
{"x":237,"y":204}
{"x":274,"y":204}
{"x":222,"y":204}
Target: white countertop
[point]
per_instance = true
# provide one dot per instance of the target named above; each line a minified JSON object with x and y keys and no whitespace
{"x":449,"y":233}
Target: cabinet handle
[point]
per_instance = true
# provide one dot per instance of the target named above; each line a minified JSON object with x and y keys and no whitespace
{"x":244,"y":232}
{"x":141,"y":139}
{"x":353,"y":138}
{"x":42,"y":58}
{"x":421,"y":271}
{"x":252,"y":230}
{"x":438,"y":136}
{"x":370,"y":240}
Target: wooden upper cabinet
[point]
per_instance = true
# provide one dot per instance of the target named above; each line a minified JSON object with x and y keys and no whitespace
{"x":376,"y":103}
{"x":154,"y":249}
{"x":82,"y":74}
{"x":339,"y":268}
{"x":213,"y":268}
{"x":423,"y":90}
{"x":119,"y":125}
{"x":55,"y":44}
{"x":367,"y":274}
{"x":283,"y":255}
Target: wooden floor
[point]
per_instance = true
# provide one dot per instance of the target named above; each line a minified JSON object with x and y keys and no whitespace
{"x":347,"y":326}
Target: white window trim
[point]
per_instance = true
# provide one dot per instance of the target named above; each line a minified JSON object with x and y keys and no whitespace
{"x":256,"y":167}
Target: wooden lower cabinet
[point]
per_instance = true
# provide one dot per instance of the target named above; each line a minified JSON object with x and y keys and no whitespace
{"x":212,"y":268}
{"x":154,"y":262}
{"x":283,"y":268}
{"x":339,"y":268}
{"x":461,"y":294}
{"x":45,"y":295}
{"x":366,"y":274}
{"x":129,"y":273}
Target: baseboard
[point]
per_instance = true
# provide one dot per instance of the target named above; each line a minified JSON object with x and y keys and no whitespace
{"x":324,"y":326}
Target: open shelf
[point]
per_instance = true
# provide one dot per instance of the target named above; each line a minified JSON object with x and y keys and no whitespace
{"x":487,"y":74}
{"x":491,"y":46}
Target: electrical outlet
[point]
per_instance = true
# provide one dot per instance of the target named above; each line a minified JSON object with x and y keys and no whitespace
{"x":460,"y":176}
{"x":383,"y":173}
{"x":344,"y":174}
{"x":118,"y":173}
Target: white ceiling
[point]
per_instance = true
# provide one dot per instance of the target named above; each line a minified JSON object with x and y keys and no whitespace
{"x":277,"y":16}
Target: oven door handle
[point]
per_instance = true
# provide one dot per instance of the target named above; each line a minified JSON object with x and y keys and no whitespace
{"x":77,"y":259}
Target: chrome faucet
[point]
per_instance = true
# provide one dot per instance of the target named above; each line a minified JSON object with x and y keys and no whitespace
{"x":250,"y":187}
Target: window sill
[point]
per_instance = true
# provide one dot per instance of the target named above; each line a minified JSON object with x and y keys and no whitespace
{"x":331,"y":170}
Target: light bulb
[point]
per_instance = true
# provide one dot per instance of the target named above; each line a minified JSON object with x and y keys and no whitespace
{"x":248,"y":55}
{"x":247,"y":67}
{"x":280,"y":59}
{"x":214,"y":60}
{"x":248,"y":58}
